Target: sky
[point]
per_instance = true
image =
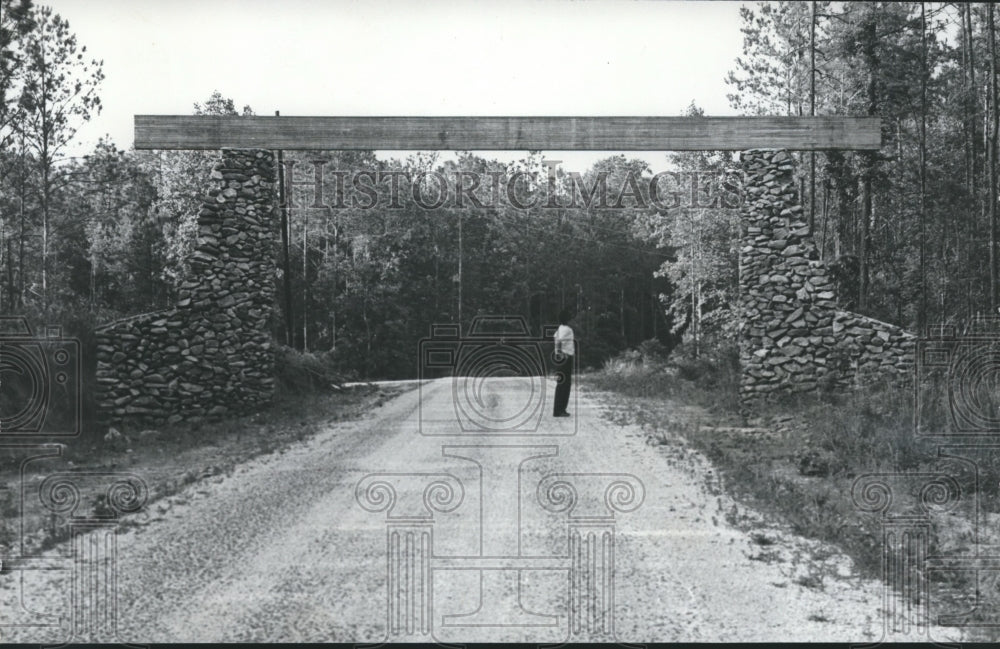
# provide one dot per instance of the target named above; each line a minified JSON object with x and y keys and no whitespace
{"x":337,"y":57}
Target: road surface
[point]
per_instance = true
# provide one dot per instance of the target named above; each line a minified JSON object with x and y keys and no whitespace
{"x":412,"y":524}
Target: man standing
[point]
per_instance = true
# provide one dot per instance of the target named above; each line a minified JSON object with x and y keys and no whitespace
{"x":563,"y":358}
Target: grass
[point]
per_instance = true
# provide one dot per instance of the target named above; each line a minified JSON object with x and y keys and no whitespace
{"x":797,"y":459}
{"x":709,"y":381}
{"x":170,"y":457}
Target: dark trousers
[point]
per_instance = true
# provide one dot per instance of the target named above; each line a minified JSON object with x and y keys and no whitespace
{"x":564,"y":379}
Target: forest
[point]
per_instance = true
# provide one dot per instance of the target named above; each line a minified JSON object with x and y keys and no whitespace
{"x":911,"y":229}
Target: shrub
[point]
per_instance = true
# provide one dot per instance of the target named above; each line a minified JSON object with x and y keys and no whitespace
{"x":711,"y":379}
{"x":304,"y":372}
{"x":715,"y":371}
{"x":865,"y":427}
{"x":626,"y":372}
{"x":652,"y":351}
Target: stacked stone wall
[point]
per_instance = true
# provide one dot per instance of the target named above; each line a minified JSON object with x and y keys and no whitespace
{"x":794,"y":337}
{"x":212,"y":353}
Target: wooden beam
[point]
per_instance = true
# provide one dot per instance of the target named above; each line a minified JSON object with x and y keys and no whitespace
{"x":507,"y":133}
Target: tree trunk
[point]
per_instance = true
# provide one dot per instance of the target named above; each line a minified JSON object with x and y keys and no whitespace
{"x":45,"y":228}
{"x":968,"y":53}
{"x":336,"y":268}
{"x":922,"y":307}
{"x":22,"y":193}
{"x":44,"y":162}
{"x":969,"y":58}
{"x":4,"y":256}
{"x":826,"y":200}
{"x":869,"y":160}
{"x":286,"y":270}
{"x":10,"y":274}
{"x":992,"y":160}
{"x":863,"y":239}
{"x":460,"y":272}
{"x":305,"y":281}
{"x":966,"y":149}
{"x":696,"y":317}
{"x":974,"y":107}
{"x":812,"y":113}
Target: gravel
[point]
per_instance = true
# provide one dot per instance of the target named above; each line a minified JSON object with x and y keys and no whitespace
{"x":281,"y":550}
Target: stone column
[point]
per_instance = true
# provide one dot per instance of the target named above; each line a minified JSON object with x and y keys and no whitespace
{"x":793,"y":336}
{"x":229,"y":302}
{"x":212,"y":354}
{"x":787,"y":298}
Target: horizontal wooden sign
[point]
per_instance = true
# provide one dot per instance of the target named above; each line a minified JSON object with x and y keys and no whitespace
{"x":507,"y":133}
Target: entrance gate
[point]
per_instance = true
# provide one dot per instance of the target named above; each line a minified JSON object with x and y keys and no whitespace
{"x":212,"y":353}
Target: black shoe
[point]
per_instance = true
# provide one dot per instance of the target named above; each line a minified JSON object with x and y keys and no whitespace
{"x":562,"y":414}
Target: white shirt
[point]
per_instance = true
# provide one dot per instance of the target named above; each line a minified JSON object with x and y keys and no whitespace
{"x":564,"y":340}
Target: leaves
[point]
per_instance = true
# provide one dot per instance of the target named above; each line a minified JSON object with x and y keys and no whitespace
{"x":872,"y":58}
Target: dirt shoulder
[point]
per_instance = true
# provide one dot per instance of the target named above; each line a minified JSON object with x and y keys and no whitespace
{"x":793,"y":502}
{"x":264,"y":553}
{"x":281,"y":549}
{"x":167,"y":458}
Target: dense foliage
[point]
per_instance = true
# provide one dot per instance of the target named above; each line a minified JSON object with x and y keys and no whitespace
{"x":914,"y":224}
{"x":911,"y":228}
{"x":84,"y":241}
{"x":372,"y":281}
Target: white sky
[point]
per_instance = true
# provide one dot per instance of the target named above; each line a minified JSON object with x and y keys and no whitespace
{"x":335,"y":57}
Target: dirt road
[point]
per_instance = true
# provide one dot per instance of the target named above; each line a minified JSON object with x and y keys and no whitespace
{"x":400,"y":526}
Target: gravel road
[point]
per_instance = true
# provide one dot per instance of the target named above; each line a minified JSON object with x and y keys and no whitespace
{"x":482,"y":537}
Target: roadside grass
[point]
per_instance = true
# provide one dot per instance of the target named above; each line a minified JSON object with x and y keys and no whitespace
{"x":795,"y":461}
{"x":168,"y":458}
{"x":709,"y":381}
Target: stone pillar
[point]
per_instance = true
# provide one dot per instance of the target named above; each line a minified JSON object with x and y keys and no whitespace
{"x":229,"y":302}
{"x":793,"y":336}
{"x":786,"y":296}
{"x":212,"y":354}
